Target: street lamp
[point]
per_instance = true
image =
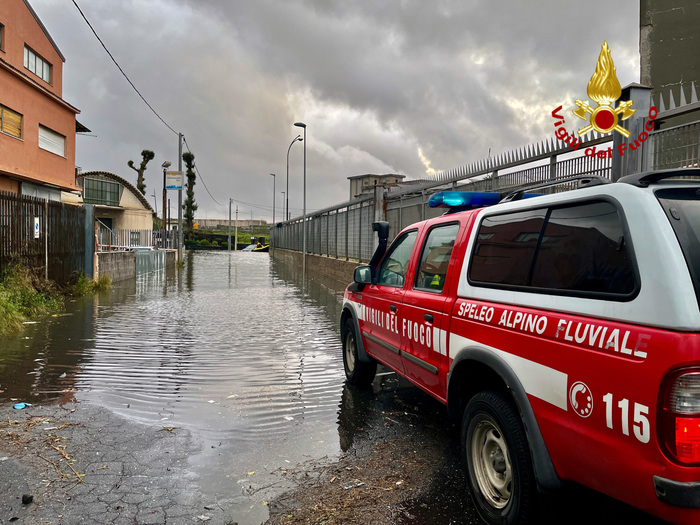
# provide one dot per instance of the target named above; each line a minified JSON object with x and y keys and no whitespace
{"x":274,"y":179}
{"x":286,"y":212}
{"x":165,"y":166}
{"x":303,"y":242}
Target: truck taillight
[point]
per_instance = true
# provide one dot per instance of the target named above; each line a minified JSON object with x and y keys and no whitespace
{"x":680,"y":424}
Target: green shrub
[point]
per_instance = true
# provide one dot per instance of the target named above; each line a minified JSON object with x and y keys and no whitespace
{"x":215,"y":243}
{"x":204,"y":242}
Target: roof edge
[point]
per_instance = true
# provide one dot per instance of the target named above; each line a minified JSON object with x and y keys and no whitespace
{"x":120,"y":180}
{"x":43,"y":28}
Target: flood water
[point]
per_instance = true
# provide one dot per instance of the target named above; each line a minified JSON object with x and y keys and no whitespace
{"x":230,"y":347}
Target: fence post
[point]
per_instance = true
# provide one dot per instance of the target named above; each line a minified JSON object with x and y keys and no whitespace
{"x":347,"y":233}
{"x":46,"y":239}
{"x":359,"y":237}
{"x":89,"y":240}
{"x":632,"y":161}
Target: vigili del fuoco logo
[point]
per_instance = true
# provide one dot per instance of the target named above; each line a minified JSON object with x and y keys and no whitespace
{"x":603,"y":88}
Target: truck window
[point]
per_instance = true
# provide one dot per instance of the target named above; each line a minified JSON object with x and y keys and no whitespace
{"x":392,"y":271}
{"x":575,"y":249}
{"x":506,"y":247}
{"x":682,"y":206}
{"x":435,"y":258}
{"x":584,"y":249}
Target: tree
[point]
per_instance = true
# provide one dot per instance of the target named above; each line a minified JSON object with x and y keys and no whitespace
{"x":189,"y":207}
{"x":146,"y":155}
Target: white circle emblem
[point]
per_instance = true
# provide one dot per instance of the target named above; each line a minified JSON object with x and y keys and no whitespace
{"x":581,"y":399}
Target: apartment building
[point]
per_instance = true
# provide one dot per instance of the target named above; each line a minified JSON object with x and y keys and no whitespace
{"x":37,"y":127}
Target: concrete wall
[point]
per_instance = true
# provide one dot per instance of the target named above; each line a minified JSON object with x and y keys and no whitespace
{"x":669,"y":46}
{"x":123,"y":265}
{"x":118,"y":265}
{"x":319,"y":266}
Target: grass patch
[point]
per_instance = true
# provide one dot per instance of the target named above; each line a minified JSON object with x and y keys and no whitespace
{"x":87,"y":286}
{"x":25,"y":295}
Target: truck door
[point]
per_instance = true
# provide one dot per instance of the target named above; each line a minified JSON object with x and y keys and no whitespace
{"x":423,"y":322}
{"x":382,"y":303}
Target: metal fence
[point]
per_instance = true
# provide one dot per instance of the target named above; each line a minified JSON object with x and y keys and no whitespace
{"x":345,"y":231}
{"x":119,"y":239}
{"x":41,"y":234}
{"x":677,"y":147}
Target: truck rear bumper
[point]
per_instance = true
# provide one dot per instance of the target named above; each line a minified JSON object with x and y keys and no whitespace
{"x":677,"y":493}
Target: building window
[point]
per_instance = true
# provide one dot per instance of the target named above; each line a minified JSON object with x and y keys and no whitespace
{"x":10,"y":122}
{"x":52,"y":141}
{"x":37,"y":65}
{"x":97,"y":191}
{"x":2,"y":37}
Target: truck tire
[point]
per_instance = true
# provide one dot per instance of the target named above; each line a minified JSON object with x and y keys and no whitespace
{"x":356,"y":371}
{"x":497,"y":460}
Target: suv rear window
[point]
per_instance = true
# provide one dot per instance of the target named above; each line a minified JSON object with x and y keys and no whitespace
{"x":682,"y":206}
{"x":573,"y":250}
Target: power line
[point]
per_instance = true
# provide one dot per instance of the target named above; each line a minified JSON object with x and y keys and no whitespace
{"x":199,"y":174}
{"x":266,"y":208}
{"x":120,"y":69}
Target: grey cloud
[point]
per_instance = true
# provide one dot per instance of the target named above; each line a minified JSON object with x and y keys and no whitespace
{"x":379,"y":80}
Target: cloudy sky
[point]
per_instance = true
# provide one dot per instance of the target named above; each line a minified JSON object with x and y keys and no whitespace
{"x":393,"y":86}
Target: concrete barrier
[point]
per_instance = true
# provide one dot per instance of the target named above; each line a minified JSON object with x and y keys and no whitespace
{"x":318,"y":265}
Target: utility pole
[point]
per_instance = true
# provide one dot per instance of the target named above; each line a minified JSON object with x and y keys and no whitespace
{"x":235,"y":242}
{"x":274,"y":179}
{"x":166,"y":228}
{"x":229,"y":223}
{"x":180,"y":233}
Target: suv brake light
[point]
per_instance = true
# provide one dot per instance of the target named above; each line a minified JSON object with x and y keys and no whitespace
{"x":680,"y":425}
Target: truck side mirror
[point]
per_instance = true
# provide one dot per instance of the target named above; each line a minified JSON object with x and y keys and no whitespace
{"x":363,"y":275}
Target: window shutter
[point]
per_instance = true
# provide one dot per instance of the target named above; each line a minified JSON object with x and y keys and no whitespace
{"x":52,"y":141}
{"x":12,"y":123}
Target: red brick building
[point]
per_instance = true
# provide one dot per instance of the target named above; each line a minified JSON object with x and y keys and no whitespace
{"x":37,"y":127}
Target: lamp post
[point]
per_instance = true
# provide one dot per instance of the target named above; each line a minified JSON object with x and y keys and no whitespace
{"x":303,"y":242}
{"x":165,"y":166}
{"x":286,"y":212}
{"x":274,"y":179}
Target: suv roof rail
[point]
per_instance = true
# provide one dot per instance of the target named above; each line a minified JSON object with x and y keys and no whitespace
{"x":645,"y":178}
{"x":584,"y":181}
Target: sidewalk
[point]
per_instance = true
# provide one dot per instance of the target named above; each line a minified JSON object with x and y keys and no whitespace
{"x":82,"y":464}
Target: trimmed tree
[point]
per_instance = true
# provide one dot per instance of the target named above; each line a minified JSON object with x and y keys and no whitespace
{"x":189,"y":206}
{"x":146,"y":155}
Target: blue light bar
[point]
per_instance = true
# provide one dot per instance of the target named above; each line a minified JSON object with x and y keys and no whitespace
{"x":463,"y":199}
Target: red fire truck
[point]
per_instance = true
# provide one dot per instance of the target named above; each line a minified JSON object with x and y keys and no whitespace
{"x":564,"y":329}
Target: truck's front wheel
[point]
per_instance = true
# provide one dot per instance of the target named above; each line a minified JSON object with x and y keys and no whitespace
{"x":357,"y":372}
{"x":497,"y":460}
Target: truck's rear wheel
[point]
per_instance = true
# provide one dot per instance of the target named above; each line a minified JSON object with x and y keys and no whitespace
{"x":357,"y":372}
{"x":497,"y":460}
